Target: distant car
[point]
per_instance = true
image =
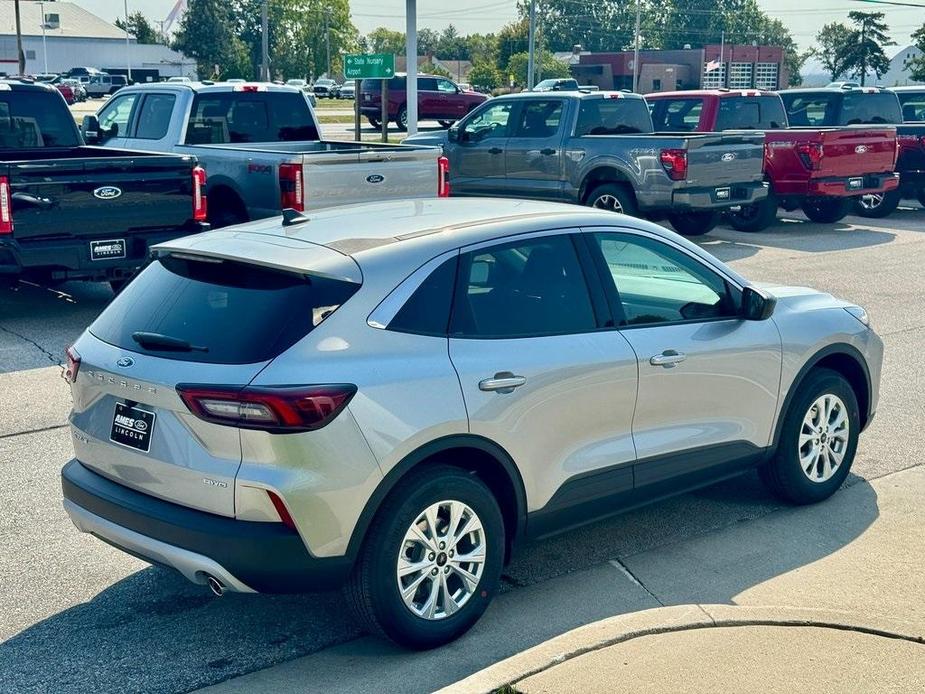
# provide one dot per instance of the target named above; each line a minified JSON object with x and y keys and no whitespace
{"x":80,"y":90}
{"x":105,"y":84}
{"x":439,"y":99}
{"x":347,"y":90}
{"x":842,"y":85}
{"x":465,"y":86}
{"x":67,"y":91}
{"x":325,"y":88}
{"x":305,"y":87}
{"x":564,"y":84}
{"x":47,"y":77}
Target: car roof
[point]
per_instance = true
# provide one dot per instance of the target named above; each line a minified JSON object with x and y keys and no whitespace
{"x":572,"y":95}
{"x":721,"y":93}
{"x":909,"y":88}
{"x":832,"y":90}
{"x":19,"y":84}
{"x":207,"y":86}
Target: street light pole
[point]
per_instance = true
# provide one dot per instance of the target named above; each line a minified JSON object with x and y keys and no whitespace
{"x":531,"y":45}
{"x":44,"y":45}
{"x":128,"y":55}
{"x":411,"y":63}
{"x":636,"y":53}
{"x":264,"y":43}
{"x":19,"y":52}
{"x":327,"y":38}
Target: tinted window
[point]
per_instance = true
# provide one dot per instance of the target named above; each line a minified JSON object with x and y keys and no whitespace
{"x":658,"y":284}
{"x":493,"y":121}
{"x":427,"y":311}
{"x":528,"y":288}
{"x":116,"y":114}
{"x":860,"y":108}
{"x":223,"y":117}
{"x":814,"y":110}
{"x":747,"y":113}
{"x":427,"y":84}
{"x":676,"y":115}
{"x":240,"y":313}
{"x":613,"y":117}
{"x":32,"y":119}
{"x":446,"y":86}
{"x":154,"y":116}
{"x":539,"y":118}
{"x":913,"y":104}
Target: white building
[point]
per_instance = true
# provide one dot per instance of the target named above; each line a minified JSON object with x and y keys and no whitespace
{"x":898,"y":74}
{"x":74,"y":37}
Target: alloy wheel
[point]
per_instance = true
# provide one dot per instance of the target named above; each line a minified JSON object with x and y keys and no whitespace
{"x":608,"y":202}
{"x":441,"y":560}
{"x":871,"y":201}
{"x":823,"y":439}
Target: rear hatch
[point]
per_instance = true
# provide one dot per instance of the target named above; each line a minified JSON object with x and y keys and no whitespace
{"x":725,"y":158}
{"x":89,"y":192}
{"x":219,"y":321}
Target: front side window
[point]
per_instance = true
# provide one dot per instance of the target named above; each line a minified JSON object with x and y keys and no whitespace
{"x":492,"y":122}
{"x":659,"y":284}
{"x":446,"y":86}
{"x":528,"y":288}
{"x":154,"y":116}
{"x":117,"y":113}
{"x":539,"y":119}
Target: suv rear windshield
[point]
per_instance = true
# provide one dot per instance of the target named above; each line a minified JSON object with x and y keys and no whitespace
{"x":239,"y":313}
{"x":613,"y":117}
{"x":228,"y":117}
{"x":751,"y":113}
{"x":850,"y":108}
{"x":35,"y":119}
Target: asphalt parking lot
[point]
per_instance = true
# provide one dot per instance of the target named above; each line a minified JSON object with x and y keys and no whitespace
{"x":76,"y":615}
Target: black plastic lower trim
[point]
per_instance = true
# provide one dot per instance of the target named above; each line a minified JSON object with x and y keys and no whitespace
{"x":268,"y":557}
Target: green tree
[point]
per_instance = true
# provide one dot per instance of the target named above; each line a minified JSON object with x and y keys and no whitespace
{"x":428,"y":68}
{"x":139,"y":27}
{"x":452,"y":46}
{"x":482,"y":47}
{"x":832,"y":45}
{"x":383,"y":40}
{"x":916,"y":65}
{"x":865,"y":52}
{"x":208,"y":34}
{"x":486,"y":75}
{"x":427,"y":42}
{"x":551,"y":66}
{"x":511,"y":39}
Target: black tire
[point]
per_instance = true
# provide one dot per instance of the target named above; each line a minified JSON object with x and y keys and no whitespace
{"x":615,"y":197}
{"x":755,"y":217}
{"x":372,"y":592}
{"x":693,"y":223}
{"x":825,"y":210}
{"x":921,"y":196}
{"x":375,"y":123}
{"x":401,"y":118}
{"x":225,"y":210}
{"x":876,"y":207}
{"x":446,"y":124}
{"x":783,"y":474}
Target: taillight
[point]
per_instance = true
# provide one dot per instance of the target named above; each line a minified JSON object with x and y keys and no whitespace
{"x":281,"y":509}
{"x":291,"y":191}
{"x":674,"y":162}
{"x":443,"y":177}
{"x":6,"y":206}
{"x":73,"y":364}
{"x":200,"y":208}
{"x":810,"y":154}
{"x":278,"y":410}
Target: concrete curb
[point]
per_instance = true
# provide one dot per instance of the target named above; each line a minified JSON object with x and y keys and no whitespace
{"x":660,"y":620}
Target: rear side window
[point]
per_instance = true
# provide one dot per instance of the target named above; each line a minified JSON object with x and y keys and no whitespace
{"x":229,"y":117}
{"x":750,"y":113}
{"x":676,"y":115}
{"x":154,"y":116}
{"x":860,"y":108}
{"x":239,"y":313}
{"x":34,"y":119}
{"x":613,"y":117}
{"x":528,"y":288}
{"x":539,"y":119}
{"x":427,"y":311}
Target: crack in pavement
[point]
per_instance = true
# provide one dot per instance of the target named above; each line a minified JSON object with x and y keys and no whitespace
{"x":624,"y":569}
{"x":53,"y":427}
{"x":51,"y":357}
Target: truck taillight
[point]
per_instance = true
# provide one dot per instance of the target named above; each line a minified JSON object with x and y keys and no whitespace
{"x":200,"y":208}
{"x":279,"y":410}
{"x":73,"y":365}
{"x":674,"y":161}
{"x":443,"y":177}
{"x":810,"y":154}
{"x":291,"y":189}
{"x":6,"y":206}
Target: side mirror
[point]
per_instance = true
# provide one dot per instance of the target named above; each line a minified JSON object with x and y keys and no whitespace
{"x":756,"y":305}
{"x":452,"y":134}
{"x":90,"y":129}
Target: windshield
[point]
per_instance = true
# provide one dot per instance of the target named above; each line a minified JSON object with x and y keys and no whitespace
{"x":229,"y":117}
{"x":35,"y":119}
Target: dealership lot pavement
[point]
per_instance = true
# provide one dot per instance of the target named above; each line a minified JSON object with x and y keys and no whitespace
{"x":76,"y":615}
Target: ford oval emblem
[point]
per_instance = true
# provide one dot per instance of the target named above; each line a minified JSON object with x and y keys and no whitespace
{"x":125,"y":362}
{"x":107,"y":192}
{"x":728,"y":156}
{"x":375,"y":178}
{"x":860,"y":149}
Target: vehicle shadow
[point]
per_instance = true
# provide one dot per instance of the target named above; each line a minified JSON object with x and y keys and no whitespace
{"x":800,"y":235}
{"x":155,"y":631}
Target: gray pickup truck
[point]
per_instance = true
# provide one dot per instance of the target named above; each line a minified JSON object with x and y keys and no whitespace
{"x":599,"y":149}
{"x":259,"y":144}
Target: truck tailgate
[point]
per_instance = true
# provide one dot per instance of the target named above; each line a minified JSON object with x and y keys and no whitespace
{"x":854,"y":151}
{"x":100,"y":197}
{"x":725,"y":158}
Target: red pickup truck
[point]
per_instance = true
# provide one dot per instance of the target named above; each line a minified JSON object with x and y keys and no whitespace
{"x":817,"y":169}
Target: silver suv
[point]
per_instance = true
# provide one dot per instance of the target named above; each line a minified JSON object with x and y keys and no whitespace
{"x":397,"y":395}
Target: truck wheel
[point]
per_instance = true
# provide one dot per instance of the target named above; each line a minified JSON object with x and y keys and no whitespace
{"x":375,"y":123}
{"x":825,"y":210}
{"x":693,"y":223}
{"x":819,"y":437}
{"x":755,"y":217}
{"x":401,"y":120}
{"x":876,"y":205}
{"x":613,"y":197}
{"x":226,"y":211}
{"x":432,"y":561}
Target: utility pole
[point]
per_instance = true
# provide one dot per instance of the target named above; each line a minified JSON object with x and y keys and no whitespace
{"x":636,"y":52}
{"x":531,"y":45}
{"x":264,"y":42}
{"x":19,"y":52}
{"x":128,"y":54}
{"x":327,"y":38}
{"x":44,"y":45}
{"x":411,"y":65}
{"x":863,"y":52}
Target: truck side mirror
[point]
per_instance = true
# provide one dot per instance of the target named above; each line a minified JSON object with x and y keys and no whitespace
{"x":453,"y":134}
{"x":756,"y":305}
{"x":90,"y":129}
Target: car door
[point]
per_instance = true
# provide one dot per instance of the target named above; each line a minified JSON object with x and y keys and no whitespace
{"x":533,"y":157}
{"x":114,"y":119}
{"x":708,"y":379}
{"x":151,"y":122}
{"x":429,"y":107}
{"x":477,"y":155}
{"x":542,"y":376}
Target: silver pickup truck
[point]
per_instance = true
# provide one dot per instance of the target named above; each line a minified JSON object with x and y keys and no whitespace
{"x":599,"y":149}
{"x":260,"y":146}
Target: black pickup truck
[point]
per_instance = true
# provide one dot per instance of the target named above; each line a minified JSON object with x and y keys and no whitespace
{"x":69,"y":211}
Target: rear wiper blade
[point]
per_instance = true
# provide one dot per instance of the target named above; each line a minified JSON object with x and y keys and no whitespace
{"x":160,"y":341}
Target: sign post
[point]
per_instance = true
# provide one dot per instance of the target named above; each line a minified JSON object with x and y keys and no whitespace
{"x":371,"y":66}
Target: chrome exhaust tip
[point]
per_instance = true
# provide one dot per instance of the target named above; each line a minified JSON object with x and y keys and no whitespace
{"x":217,"y":587}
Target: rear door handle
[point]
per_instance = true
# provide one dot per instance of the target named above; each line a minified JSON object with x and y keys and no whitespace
{"x":495,"y":150}
{"x":549,"y":151}
{"x":502,"y":382}
{"x":668,"y":358}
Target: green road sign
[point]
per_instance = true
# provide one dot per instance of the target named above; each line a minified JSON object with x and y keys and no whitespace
{"x":369,"y":66}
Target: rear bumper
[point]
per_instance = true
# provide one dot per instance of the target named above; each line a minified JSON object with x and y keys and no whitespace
{"x":839,"y":187}
{"x":246,"y":556}
{"x":69,"y":258}
{"x":713,"y":198}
